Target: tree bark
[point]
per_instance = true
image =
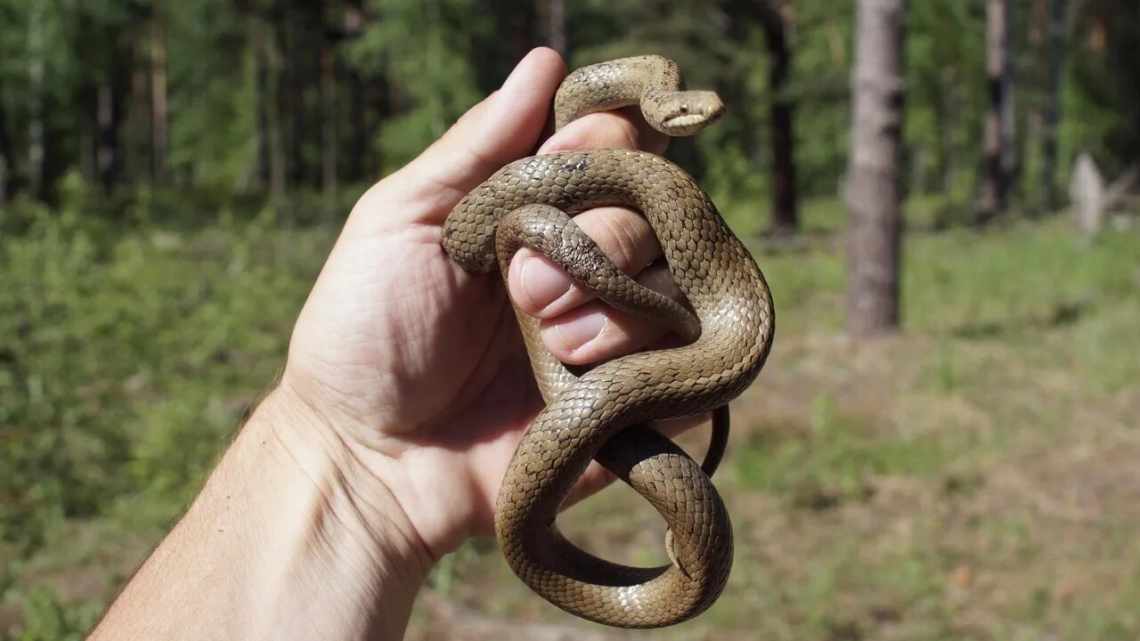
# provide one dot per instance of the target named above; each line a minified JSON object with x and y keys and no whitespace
{"x":785,"y":208}
{"x":36,"y":54}
{"x":275,"y":127}
{"x":553,"y":18}
{"x":136,"y":142}
{"x":160,"y":136}
{"x":294,"y":53}
{"x":1051,"y":122}
{"x":261,"y":100}
{"x":358,"y":137}
{"x":5,"y":153}
{"x":110,"y":116}
{"x":328,"y":128}
{"x":874,"y":196}
{"x":105,"y":148}
{"x":998,"y":159}
{"x":363,"y":116}
{"x":270,"y":155}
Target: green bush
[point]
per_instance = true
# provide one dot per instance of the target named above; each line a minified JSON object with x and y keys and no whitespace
{"x":128,"y":356}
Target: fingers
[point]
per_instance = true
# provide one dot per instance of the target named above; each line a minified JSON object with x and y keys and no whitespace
{"x":576,"y":328}
{"x":622,"y":129}
{"x":545,"y":291}
{"x":595,"y":332}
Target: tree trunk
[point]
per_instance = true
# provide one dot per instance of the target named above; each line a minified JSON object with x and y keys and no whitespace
{"x":5,"y":153}
{"x":874,"y":196}
{"x":105,"y":149}
{"x":291,"y":102}
{"x":36,"y":54}
{"x":359,"y":138}
{"x":110,"y":116}
{"x":270,"y":168}
{"x":998,"y":160}
{"x":785,"y":209}
{"x":261,"y":100}
{"x":136,"y":156}
{"x":158,"y":99}
{"x":278,"y":163}
{"x":1051,"y":122}
{"x":552,"y":15}
{"x":328,"y":128}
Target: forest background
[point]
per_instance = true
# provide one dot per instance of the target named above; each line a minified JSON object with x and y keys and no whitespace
{"x":173,"y":174}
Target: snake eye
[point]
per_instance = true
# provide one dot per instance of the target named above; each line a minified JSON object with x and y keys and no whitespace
{"x":684,"y":109}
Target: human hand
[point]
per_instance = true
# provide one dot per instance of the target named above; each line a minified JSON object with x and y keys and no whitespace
{"x":413,"y":369}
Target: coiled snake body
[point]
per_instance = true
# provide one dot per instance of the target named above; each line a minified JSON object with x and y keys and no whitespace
{"x":605,"y":412}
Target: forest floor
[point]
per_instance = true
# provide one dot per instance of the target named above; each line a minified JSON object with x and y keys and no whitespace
{"x":974,"y":477}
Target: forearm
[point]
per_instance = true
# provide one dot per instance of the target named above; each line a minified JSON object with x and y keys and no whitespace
{"x":289,"y":539}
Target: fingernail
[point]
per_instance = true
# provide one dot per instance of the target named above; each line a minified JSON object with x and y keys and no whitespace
{"x":574,"y":334}
{"x":542,"y":283}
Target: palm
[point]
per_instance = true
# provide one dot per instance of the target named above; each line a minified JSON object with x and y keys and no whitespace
{"x":423,"y":360}
{"x":410,"y":358}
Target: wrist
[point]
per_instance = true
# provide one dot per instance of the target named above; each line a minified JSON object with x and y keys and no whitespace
{"x":287,"y":540}
{"x":433,"y":500}
{"x":349,"y":487}
{"x":330,"y":531}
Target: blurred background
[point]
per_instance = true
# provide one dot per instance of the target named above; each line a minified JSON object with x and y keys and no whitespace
{"x":944,"y":444}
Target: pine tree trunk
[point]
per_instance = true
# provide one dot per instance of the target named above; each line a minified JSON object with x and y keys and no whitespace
{"x":785,"y":209}
{"x":358,"y":138}
{"x":998,"y":160}
{"x":36,"y":54}
{"x":874,"y":196}
{"x":275,"y":126}
{"x":944,"y":125}
{"x":328,"y":128}
{"x":270,"y":155}
{"x":105,"y":139}
{"x":137,"y":134}
{"x":158,"y":99}
{"x":5,"y":153}
{"x":110,"y":99}
{"x":1051,"y":122}
{"x":552,"y":14}
{"x":261,"y":100}
{"x":291,"y":101}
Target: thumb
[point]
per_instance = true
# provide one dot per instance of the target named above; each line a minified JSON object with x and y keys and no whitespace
{"x":503,"y":127}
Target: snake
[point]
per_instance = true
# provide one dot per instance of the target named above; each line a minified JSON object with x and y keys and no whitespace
{"x":725,"y":324}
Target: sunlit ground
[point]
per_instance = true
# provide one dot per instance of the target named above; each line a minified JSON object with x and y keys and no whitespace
{"x":974,"y":477}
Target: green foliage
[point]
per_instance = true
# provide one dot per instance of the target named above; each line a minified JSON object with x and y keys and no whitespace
{"x":417,"y":46}
{"x":945,"y":93}
{"x":1108,"y":79}
{"x":46,"y":619}
{"x":140,"y":319}
{"x":213,"y":95}
{"x":244,"y":85}
{"x":127,"y":360}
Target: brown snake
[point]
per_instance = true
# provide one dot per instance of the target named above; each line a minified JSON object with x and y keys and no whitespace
{"x":605,"y":412}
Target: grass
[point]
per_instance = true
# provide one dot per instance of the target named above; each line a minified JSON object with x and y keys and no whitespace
{"x":971,"y":478}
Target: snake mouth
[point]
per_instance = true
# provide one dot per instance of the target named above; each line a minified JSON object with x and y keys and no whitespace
{"x":684,"y":120}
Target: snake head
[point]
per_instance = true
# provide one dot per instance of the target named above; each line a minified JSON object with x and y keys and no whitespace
{"x":682,"y":113}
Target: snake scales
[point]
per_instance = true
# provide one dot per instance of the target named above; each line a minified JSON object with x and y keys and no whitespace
{"x":605,"y":412}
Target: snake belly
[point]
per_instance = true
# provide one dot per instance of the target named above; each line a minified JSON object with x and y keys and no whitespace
{"x":604,"y":412}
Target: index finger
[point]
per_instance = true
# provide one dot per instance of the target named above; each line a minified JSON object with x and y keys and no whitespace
{"x":621,"y":129}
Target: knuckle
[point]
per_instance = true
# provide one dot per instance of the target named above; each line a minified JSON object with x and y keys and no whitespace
{"x":623,"y":242}
{"x":624,"y":237}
